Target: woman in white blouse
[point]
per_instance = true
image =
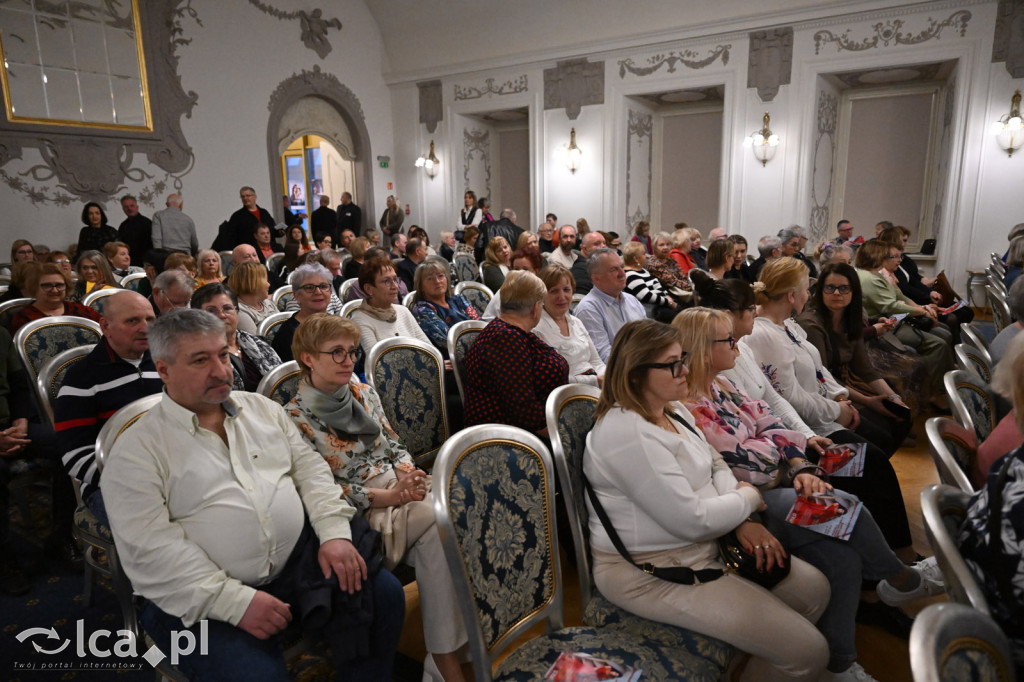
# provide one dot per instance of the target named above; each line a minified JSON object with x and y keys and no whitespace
{"x":669,"y":495}
{"x":564,"y":332}
{"x":470,"y":214}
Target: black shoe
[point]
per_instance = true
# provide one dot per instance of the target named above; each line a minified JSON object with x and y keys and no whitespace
{"x":13,"y":580}
{"x":67,"y":552}
{"x":888,"y":618}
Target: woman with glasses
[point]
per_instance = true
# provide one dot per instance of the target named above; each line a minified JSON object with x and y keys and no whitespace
{"x":251,"y":356}
{"x":94,"y":273}
{"x":378,"y":316}
{"x":344,"y":421}
{"x":21,"y":252}
{"x":668,"y":496}
{"x":311,"y":286}
{"x":760,"y":450}
{"x":49,"y":285}
{"x":434,"y":305}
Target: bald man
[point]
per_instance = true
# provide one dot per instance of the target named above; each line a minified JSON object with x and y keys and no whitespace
{"x":246,"y":253}
{"x":116,"y":372}
{"x":174,"y":230}
{"x":591,"y":242}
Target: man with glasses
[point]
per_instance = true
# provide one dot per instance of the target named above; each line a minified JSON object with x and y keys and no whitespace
{"x":607,"y":308}
{"x":171,"y":289}
{"x":546,"y":238}
{"x":311,"y":286}
{"x":241,"y":226}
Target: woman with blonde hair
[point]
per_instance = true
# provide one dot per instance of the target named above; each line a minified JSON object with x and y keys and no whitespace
{"x":565,"y":332}
{"x":645,"y":286}
{"x":720,"y":257}
{"x":527,"y":239}
{"x":209,"y":268}
{"x":94,"y":273}
{"x":434,"y":305}
{"x":357,"y":249}
{"x":250,"y":283}
{"x":497,"y":263}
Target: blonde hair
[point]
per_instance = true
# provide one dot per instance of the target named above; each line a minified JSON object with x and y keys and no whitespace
{"x":779,"y":278}
{"x":207,"y":252}
{"x":491,"y":253}
{"x":317,"y":330}
{"x":634,"y":253}
{"x":553,"y":273}
{"x":679,"y":237}
{"x":638,"y":343}
{"x":521,"y":291}
{"x":357,"y":248}
{"x":245,"y":278}
{"x":697,"y":328}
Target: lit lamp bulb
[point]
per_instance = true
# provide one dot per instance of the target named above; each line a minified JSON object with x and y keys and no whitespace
{"x":1008,"y":130}
{"x":573,"y":155}
{"x":429,"y":163}
{"x":763,"y":142}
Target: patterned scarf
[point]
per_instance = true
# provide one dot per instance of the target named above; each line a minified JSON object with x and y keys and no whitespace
{"x":341,"y":412}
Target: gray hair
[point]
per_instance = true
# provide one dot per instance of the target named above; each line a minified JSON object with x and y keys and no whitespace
{"x":328,"y":256}
{"x":830,"y":251}
{"x":594,"y":261}
{"x":1015,"y":299}
{"x":508,"y":213}
{"x":1003,"y":379}
{"x":308,"y":272}
{"x":1016,"y":231}
{"x":787,"y":233}
{"x":169,"y":330}
{"x":767,"y":244}
{"x":661,"y":237}
{"x":168,"y":278}
{"x":1015,"y":256}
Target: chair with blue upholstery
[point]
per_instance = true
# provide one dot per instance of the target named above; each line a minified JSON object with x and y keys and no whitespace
{"x":971,"y":359}
{"x":132,"y":280}
{"x":282,"y":296}
{"x":281,"y":383}
{"x":953,"y":449}
{"x":973,"y":402}
{"x":570,"y":417}
{"x":944,"y":509}
{"x":51,"y":376}
{"x":270,"y":324}
{"x":226,"y":264}
{"x":39,"y":340}
{"x":461,"y":336}
{"x":1001,"y":316}
{"x":953,"y":642}
{"x":94,"y":299}
{"x":465,"y":267}
{"x":408,"y":374}
{"x":9,"y":308}
{"x":494,"y":497}
{"x":477,"y":294}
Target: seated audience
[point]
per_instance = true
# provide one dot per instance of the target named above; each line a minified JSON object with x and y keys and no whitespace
{"x":356,"y":291}
{"x":642,"y":234}
{"x":265,"y":242}
{"x":48,"y":285}
{"x":435,"y":307}
{"x":179,"y":260}
{"x":565,"y":332}
{"x":527,"y":258}
{"x":497,"y":263}
{"x":448,"y":245}
{"x":251,"y":356}
{"x":564,"y":255}
{"x":665,"y":268}
{"x":1015,"y":302}
{"x":415,"y":253}
{"x":172,"y":289}
{"x":119,"y":258}
{"x":16,"y":287}
{"x":95,"y":232}
{"x":397,"y":251}
{"x":246,"y":253}
{"x":218,"y":531}
{"x":1005,"y":436}
{"x":668,"y":496}
{"x":381,"y":316}
{"x":297,"y":235}
{"x":682,"y":245}
{"x":311,"y":287}
{"x":589,"y":243}
{"x":209,"y":268}
{"x":699,"y":253}
{"x":93,"y":274}
{"x":645,"y":286}
{"x":739,"y":269}
{"x":545,"y":238}
{"x":835,"y":253}
{"x":527,"y":239}
{"x":22,"y":251}
{"x":607,"y":307}
{"x":468,"y":247}
{"x":345,"y":422}
{"x":417,"y":232}
{"x":509,"y":371}
{"x":357,"y":249}
{"x":1014,"y":262}
{"x":769,"y":248}
{"x":721,"y":258}
{"x":60,"y":258}
{"x":794,"y":239}
{"x":249,"y":282}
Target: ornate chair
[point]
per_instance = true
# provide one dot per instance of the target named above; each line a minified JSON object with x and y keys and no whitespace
{"x":9,"y":308}
{"x":268,"y":327}
{"x":953,"y":449}
{"x":465,"y":267}
{"x":282,"y":296}
{"x":570,"y":417}
{"x":944,"y":509}
{"x":576,"y":298}
{"x":407,"y":301}
{"x":345,"y":286}
{"x":494,"y":506}
{"x":971,"y":359}
{"x":972,"y":337}
{"x":461,"y":336}
{"x":133,"y":280}
{"x":51,"y":376}
{"x":274,"y":261}
{"x":477,"y":294}
{"x":225,"y":262}
{"x":281,"y":383}
{"x":1001,"y":316}
{"x":348,"y":308}
{"x":973,"y":402}
{"x":409,"y":377}
{"x":42,"y":339}
{"x":953,"y":642}
{"x":94,"y":299}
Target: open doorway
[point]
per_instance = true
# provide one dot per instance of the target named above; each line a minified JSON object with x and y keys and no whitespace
{"x":312,"y":167}
{"x":496,"y":160}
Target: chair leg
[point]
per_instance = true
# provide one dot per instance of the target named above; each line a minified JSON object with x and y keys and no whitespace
{"x":90,"y":574}
{"x":123,"y":591}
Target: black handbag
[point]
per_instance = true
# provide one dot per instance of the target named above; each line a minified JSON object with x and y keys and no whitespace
{"x":745,"y":564}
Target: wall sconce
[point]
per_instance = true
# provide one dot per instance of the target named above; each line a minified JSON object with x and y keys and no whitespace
{"x":1008,"y":129}
{"x":429,"y":163}
{"x":763,"y":142}
{"x":573,"y":155}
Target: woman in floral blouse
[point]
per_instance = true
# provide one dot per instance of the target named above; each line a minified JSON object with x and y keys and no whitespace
{"x":434,"y":306}
{"x":344,"y":421}
{"x":661,"y":265}
{"x":760,"y":450}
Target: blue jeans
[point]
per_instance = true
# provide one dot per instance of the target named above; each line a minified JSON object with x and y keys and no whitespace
{"x":866,"y":555}
{"x":233,"y":654}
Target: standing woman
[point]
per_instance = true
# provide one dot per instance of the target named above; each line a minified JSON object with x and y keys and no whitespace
{"x":497,"y":263}
{"x":642,"y":234}
{"x":721,"y":257}
{"x":93,"y":273}
{"x":250,"y":283}
{"x":470,"y":213}
{"x":391,"y":220}
{"x":209,"y":268}
{"x":96,"y":232}
{"x":565,"y":332}
{"x":668,"y":497}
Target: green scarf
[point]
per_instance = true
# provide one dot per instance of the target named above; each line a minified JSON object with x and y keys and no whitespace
{"x":342,"y":413}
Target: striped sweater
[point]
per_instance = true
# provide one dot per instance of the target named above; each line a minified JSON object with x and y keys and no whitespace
{"x":93,"y":390}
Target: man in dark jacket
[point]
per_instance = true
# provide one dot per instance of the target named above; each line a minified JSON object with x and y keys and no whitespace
{"x":241,"y":226}
{"x":350,"y":216}
{"x":136,"y":230}
{"x":505,"y":227}
{"x":325,"y":221}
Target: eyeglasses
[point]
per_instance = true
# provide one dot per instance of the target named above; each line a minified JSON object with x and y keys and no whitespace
{"x":61,"y":261}
{"x":731,"y":340}
{"x":837,"y":289}
{"x":894,"y":256}
{"x":226,"y":310}
{"x":388,"y":282}
{"x":53,"y":286}
{"x":311,"y":288}
{"x":22,"y":252}
{"x":340,"y":355}
{"x":675,"y":367}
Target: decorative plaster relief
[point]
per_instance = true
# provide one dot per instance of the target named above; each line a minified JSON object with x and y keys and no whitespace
{"x":891,"y":33}
{"x":945,"y":151}
{"x":315,"y":116}
{"x":572,"y":84}
{"x":93,"y":164}
{"x":687,"y":58}
{"x":770,"y":63}
{"x":1008,"y":41}
{"x":512,"y":86}
{"x":824,"y":165}
{"x":638,"y":177}
{"x":476,"y":141}
{"x":431,"y":105}
{"x":314,"y":26}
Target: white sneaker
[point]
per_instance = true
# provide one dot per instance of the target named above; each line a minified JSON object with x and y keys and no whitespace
{"x":855,"y":673}
{"x":932,"y":583}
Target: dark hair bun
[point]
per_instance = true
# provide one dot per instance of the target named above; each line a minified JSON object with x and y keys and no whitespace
{"x":703,"y":283}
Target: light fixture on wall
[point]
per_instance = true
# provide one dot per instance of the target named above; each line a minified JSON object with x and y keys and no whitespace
{"x":763,"y":142}
{"x":429,"y":163}
{"x":573,"y":154}
{"x":1008,"y":129}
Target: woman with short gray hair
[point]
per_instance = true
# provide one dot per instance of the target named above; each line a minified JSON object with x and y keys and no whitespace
{"x":311,"y":286}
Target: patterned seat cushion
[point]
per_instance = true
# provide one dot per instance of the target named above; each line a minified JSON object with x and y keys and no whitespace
{"x":530,"y":661}
{"x":50,"y":340}
{"x":980,"y":407}
{"x":477,"y":298}
{"x":409,"y":384}
{"x":286,"y":389}
{"x":969,"y":658}
{"x":88,"y":525}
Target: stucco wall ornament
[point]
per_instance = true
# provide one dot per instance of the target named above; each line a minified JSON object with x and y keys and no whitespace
{"x":93,"y":164}
{"x":314,"y":26}
{"x":572,"y":84}
{"x":688,"y":58}
{"x":513,"y":86}
{"x":431,"y":104}
{"x":638,"y":127}
{"x":770,"y":63}
{"x":478,"y":141}
{"x":824,"y":165}
{"x":1008,"y":42}
{"x":891,"y":33}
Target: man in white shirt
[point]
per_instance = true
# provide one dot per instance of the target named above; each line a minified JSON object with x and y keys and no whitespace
{"x":607,"y":308}
{"x":563,"y":255}
{"x":221,"y":512}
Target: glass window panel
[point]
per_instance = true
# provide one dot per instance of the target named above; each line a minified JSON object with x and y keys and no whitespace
{"x":97,"y":103}
{"x":19,"y":36}
{"x":26,"y":82}
{"x":90,"y":47}
{"x":55,"y":42}
{"x":129,"y":108}
{"x":124,"y":60}
{"x":62,"y":95}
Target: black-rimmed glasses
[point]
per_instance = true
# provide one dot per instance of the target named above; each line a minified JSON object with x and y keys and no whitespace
{"x":731,"y":340}
{"x":340,"y":355}
{"x":53,"y":286}
{"x":310,"y":288}
{"x":837,"y":289}
{"x":676,"y":367}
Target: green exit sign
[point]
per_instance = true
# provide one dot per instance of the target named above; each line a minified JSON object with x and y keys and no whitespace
{"x":383,"y":164}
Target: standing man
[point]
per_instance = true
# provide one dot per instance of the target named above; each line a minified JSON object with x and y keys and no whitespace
{"x":607,"y":307}
{"x":563,"y":255}
{"x":505,"y":227}
{"x":207,"y":496}
{"x":242,"y":224}
{"x":324,"y":220}
{"x":136,"y":230}
{"x":174,"y":230}
{"x":350,"y":216}
{"x":591,"y":242}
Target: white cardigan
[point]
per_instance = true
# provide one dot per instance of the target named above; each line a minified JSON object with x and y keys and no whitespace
{"x":793,"y":367}
{"x":372,"y":330}
{"x":661,"y":490}
{"x":748,"y":376}
{"x":577,"y":348}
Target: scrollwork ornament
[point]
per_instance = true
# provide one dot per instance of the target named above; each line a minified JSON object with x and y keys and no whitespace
{"x":513,"y":86}
{"x":477,"y":141}
{"x":828,"y":112}
{"x":891,"y":32}
{"x":688,"y":58}
{"x":313,"y":25}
